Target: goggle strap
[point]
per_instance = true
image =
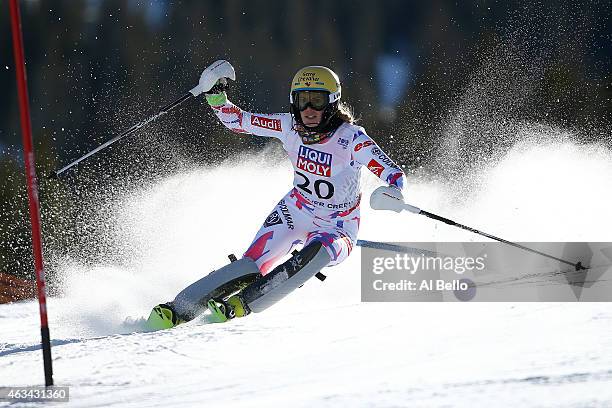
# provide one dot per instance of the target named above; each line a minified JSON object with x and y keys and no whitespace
{"x":333,"y":97}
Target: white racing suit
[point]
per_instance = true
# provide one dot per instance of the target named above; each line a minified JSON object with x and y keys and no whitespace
{"x":324,"y":202}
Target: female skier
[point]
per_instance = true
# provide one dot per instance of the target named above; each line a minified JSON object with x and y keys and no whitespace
{"x":320,"y":212}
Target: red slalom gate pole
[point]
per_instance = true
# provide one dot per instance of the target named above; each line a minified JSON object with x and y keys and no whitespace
{"x":28,"y":152}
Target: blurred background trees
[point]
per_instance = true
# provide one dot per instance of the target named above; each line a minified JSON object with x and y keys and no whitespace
{"x":415,"y":73}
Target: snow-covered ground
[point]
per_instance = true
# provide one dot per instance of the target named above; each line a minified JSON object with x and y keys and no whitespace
{"x":321,"y":346}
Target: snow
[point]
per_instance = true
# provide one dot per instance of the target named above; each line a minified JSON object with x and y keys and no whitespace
{"x":321,"y":346}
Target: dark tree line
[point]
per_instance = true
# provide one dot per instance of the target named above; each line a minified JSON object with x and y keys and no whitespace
{"x":415,"y":73}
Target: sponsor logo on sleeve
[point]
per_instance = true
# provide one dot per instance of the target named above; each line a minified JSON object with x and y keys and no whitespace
{"x":266,"y":123}
{"x":383,"y":158}
{"x":343,"y":142}
{"x":314,"y":161}
{"x":360,"y":146}
{"x":232,"y":110}
{"x":375,"y":167}
{"x":273,"y":219}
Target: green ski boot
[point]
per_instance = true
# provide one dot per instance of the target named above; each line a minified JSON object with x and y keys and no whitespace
{"x":163,"y":316}
{"x":222,"y":311}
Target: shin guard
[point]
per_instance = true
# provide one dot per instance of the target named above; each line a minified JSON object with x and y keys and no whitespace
{"x":286,"y":277}
{"x":194,"y":298}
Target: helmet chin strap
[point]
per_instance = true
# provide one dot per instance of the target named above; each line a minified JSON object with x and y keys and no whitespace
{"x":312,"y":136}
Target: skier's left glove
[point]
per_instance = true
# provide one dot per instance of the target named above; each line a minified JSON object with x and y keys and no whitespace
{"x":387,"y":198}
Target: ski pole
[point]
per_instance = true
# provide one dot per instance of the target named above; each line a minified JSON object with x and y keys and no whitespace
{"x":578,"y":265}
{"x":394,"y":248}
{"x":384,"y":201}
{"x":219,"y":69}
{"x":128,"y":132}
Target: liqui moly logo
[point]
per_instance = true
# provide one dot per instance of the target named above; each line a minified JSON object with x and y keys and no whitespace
{"x":266,"y":123}
{"x":314,"y":161}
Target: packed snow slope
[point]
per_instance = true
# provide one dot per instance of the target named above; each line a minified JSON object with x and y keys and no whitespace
{"x":322,"y":346}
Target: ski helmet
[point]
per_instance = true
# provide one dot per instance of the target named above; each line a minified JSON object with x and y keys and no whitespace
{"x":318,"y":87}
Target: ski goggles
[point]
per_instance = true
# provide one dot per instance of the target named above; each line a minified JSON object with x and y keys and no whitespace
{"x":317,"y":100}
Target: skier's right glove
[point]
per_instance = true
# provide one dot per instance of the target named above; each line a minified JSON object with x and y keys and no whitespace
{"x":216,"y":96}
{"x":213,"y":82}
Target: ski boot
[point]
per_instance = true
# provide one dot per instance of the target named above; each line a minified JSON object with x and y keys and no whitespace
{"x":222,"y":311}
{"x":163,"y":316}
